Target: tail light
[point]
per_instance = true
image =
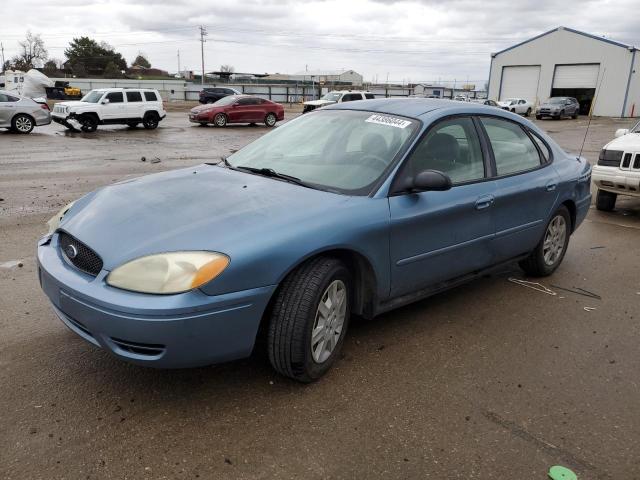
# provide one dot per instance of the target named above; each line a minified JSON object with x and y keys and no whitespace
{"x":44,"y":106}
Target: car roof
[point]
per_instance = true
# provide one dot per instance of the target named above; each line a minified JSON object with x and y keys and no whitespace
{"x":408,"y":107}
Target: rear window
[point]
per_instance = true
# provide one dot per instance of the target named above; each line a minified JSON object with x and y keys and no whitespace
{"x":369,"y":96}
{"x":150,"y":96}
{"x":134,"y":97}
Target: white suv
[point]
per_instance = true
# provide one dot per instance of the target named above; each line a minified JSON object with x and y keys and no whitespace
{"x":111,"y":106}
{"x":618,"y":168}
{"x":337,"y":97}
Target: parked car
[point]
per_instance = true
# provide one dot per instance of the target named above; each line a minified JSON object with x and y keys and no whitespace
{"x":618,"y":168}
{"x":517,"y":105}
{"x":238,"y":109}
{"x":111,"y":106}
{"x":336,"y":97}
{"x":461,"y":98}
{"x":22,"y":114}
{"x":490,"y":103}
{"x":213,"y":94}
{"x":353,"y":209}
{"x":558,"y":107}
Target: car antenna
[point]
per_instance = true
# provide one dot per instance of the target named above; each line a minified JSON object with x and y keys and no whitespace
{"x":591,"y":113}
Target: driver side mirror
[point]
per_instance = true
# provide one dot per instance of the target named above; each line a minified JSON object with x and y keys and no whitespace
{"x":429,"y":180}
{"x":621,"y":132}
{"x":105,"y":101}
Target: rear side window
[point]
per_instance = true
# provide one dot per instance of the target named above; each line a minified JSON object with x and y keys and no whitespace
{"x":513,"y":150}
{"x":544,"y":150}
{"x":150,"y":96}
{"x":115,"y":97}
{"x":369,"y":96}
{"x":134,"y":97}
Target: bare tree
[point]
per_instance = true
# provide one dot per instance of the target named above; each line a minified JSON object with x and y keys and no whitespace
{"x":227,"y":68}
{"x":32,"y":50}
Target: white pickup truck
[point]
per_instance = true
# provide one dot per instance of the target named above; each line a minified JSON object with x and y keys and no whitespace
{"x":517,"y":105}
{"x":618,"y":168}
{"x":111,"y":106}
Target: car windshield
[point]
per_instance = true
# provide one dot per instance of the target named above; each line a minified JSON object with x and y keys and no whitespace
{"x":331,"y":97}
{"x":344,"y":151}
{"x":93,"y":96}
{"x":556,"y":100}
{"x":228,"y":100}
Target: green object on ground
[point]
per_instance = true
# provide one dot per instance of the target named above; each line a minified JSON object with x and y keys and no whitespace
{"x":558,"y":472}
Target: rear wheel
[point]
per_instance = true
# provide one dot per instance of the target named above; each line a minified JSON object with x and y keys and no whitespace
{"x":22,"y":123}
{"x":220,"y":120}
{"x":151,"y":121}
{"x":528,"y":112}
{"x":549,"y":253}
{"x":309,"y":319}
{"x":270,"y":120}
{"x":606,"y":201}
{"x":88,"y":123}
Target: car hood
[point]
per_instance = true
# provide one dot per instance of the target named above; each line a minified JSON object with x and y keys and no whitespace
{"x":74,"y":103}
{"x":319,"y":102}
{"x":203,"y":208}
{"x":202,"y":108}
{"x":550,"y":105}
{"x":628,"y":142}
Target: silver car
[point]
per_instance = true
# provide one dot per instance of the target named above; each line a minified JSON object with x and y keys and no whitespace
{"x":21,"y":114}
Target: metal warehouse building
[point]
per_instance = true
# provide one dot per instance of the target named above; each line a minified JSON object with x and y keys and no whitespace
{"x":567,"y":62}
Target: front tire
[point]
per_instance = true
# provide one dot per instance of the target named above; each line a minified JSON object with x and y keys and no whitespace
{"x":549,"y":253}
{"x":22,"y":123}
{"x":220,"y":120}
{"x":88,"y":123}
{"x":270,"y":120}
{"x":528,"y":112}
{"x":309,"y":319}
{"x":606,"y":201}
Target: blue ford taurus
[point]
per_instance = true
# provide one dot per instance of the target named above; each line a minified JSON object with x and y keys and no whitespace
{"x":354,"y":209}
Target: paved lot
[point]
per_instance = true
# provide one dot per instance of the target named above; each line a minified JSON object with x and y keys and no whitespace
{"x":491,"y":380}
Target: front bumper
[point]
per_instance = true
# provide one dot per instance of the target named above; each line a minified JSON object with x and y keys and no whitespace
{"x":617,"y":180}
{"x":166,"y":331}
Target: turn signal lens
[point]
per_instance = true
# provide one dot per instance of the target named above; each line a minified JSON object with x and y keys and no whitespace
{"x":168,"y":273}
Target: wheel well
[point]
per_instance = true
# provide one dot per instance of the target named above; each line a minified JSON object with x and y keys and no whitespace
{"x":24,"y":114}
{"x":90,"y":114}
{"x":572,"y":212}
{"x":150,"y":112}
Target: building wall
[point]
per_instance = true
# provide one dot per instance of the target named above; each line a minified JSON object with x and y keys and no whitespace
{"x":632,"y":107}
{"x":564,"y":47}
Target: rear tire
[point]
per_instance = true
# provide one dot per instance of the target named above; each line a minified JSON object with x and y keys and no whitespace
{"x":528,"y":112}
{"x":151,"y":121}
{"x":549,"y":253}
{"x":606,"y":201}
{"x":270,"y":120}
{"x":22,"y":123}
{"x":309,"y":319}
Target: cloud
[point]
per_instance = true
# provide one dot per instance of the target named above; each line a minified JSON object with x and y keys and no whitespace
{"x":410,"y":40}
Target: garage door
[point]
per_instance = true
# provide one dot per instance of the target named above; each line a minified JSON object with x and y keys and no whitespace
{"x":520,"y":82}
{"x":576,"y":76}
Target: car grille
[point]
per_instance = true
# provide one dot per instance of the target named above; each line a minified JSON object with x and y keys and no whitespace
{"x":85,"y":259}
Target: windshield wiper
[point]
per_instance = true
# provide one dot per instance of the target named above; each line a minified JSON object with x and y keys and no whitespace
{"x":270,"y":172}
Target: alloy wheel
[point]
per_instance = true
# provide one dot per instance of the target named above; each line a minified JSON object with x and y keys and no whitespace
{"x":329,"y":321}
{"x":23,"y":124}
{"x":554,"y":240}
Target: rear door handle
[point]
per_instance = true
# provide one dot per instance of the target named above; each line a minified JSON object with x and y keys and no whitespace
{"x":484,"y":202}
{"x":550,"y":187}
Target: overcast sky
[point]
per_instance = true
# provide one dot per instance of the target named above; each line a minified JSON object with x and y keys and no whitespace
{"x":421,"y":40}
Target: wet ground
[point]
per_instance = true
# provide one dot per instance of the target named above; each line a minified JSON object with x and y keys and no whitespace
{"x":491,"y":380}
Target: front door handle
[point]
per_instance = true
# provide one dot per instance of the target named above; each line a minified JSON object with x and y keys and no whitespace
{"x":551,"y":186}
{"x":484,"y":202}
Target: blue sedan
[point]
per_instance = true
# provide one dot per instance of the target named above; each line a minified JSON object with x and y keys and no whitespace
{"x":354,"y":209}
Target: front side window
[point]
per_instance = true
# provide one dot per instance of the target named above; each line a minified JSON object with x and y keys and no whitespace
{"x":225,"y":101}
{"x":452,"y":147}
{"x":134,"y":97}
{"x":248,"y":101}
{"x":513,"y":150}
{"x":115,"y":97}
{"x":339,"y":150}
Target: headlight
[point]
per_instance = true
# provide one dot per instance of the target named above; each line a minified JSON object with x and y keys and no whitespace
{"x":166,"y":273}
{"x":54,"y":222}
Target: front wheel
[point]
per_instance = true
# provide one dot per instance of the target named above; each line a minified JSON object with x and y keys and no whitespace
{"x":528,"y":112}
{"x":606,"y":201}
{"x":309,"y":319}
{"x":270,"y":120}
{"x":88,"y":123}
{"x":220,"y":120}
{"x":549,"y":253}
{"x":22,"y":123}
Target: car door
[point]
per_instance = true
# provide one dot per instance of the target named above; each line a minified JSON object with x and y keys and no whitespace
{"x":440,"y":235}
{"x":114,"y":108}
{"x":7,"y":109}
{"x":526,"y":186}
{"x":134,"y":106}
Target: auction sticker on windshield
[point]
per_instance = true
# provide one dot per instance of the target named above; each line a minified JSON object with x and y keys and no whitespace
{"x":389,"y":121}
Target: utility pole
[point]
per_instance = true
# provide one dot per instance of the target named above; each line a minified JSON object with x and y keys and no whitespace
{"x":203,"y":33}
{"x":2,"y":49}
{"x":179,"y":74}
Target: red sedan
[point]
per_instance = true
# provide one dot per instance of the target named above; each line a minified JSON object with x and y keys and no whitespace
{"x":238,"y":109}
